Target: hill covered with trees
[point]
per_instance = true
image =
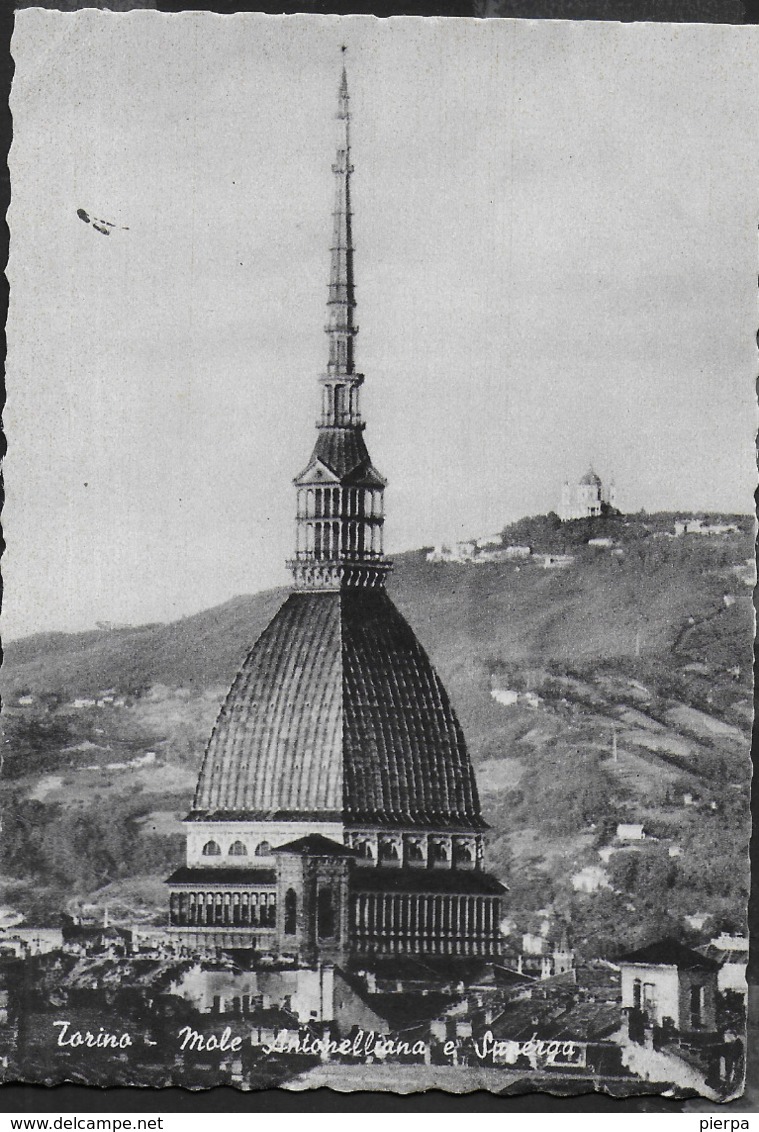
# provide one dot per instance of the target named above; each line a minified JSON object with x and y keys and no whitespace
{"x":615,"y":690}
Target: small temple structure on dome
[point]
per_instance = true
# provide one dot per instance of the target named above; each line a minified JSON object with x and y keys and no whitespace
{"x":336,"y":814}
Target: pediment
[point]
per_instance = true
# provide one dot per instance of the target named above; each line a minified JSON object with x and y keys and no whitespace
{"x":316,"y":473}
{"x":365,"y":475}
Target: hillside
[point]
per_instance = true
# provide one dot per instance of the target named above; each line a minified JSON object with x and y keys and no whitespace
{"x":196,"y":652}
{"x":617,"y":689}
{"x":497,"y":609}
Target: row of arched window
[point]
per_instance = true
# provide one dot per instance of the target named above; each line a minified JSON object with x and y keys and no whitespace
{"x":200,"y":909}
{"x":236,"y":849}
{"x":335,"y":502}
{"x":420,"y":915}
{"x":439,"y":852}
{"x":331,"y":538}
{"x":213,"y":909}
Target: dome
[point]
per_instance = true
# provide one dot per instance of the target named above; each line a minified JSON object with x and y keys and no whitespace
{"x":590,"y":478}
{"x":338,"y":715}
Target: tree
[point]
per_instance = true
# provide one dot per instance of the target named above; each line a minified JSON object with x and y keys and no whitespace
{"x":566,"y":789}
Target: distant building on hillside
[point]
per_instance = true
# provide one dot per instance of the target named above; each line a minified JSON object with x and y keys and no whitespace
{"x":477,"y":552}
{"x":452,"y":552}
{"x":586,"y":499}
{"x":699,"y":527}
{"x":630,"y":831}
{"x":590,"y":879}
{"x":554,"y":561}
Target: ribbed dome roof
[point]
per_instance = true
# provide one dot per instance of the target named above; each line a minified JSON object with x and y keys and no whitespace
{"x":337,"y":714}
{"x":590,"y":477}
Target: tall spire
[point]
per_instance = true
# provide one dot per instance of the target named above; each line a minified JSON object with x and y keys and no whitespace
{"x":340,"y":493}
{"x":341,"y":382}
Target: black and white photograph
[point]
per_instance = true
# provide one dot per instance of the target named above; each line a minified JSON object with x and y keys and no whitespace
{"x":378,"y":593}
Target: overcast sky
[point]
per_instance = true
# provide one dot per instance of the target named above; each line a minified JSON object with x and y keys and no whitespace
{"x":556,"y":264}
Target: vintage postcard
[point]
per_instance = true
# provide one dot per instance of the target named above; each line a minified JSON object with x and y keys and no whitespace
{"x":378,"y":595}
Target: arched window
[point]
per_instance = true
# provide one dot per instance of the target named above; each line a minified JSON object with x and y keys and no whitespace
{"x":270,"y":917}
{"x":388,"y":851}
{"x":696,"y":1007}
{"x":365,"y":850}
{"x":325,"y":914}
{"x":414,"y":851}
{"x":291,"y":907}
{"x":238,"y":849}
{"x":211,"y":849}
{"x":263,"y":849}
{"x":439,"y":851}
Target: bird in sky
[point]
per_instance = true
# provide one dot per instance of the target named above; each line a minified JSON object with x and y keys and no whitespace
{"x":103,"y":226}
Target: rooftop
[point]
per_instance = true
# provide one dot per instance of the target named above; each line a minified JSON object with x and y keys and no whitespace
{"x":557,"y":1020}
{"x":316,"y":845}
{"x":342,"y":452}
{"x":186,"y":875}
{"x":465,"y":882}
{"x":669,"y":953}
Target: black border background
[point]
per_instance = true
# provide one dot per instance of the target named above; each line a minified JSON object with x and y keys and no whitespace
{"x":80,"y":1099}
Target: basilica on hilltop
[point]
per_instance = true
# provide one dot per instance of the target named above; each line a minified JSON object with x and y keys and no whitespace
{"x":587,"y":499}
{"x":336,"y":814}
